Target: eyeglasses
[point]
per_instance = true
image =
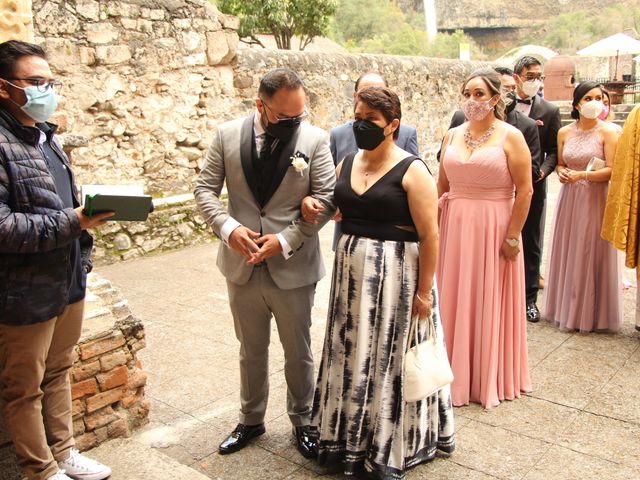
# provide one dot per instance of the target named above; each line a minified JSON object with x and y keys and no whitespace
{"x":42,"y":84}
{"x":532,"y":76}
{"x":508,"y":89}
{"x":296,"y":119}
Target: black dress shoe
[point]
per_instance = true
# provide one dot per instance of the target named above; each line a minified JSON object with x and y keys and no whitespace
{"x":533,"y":314}
{"x":306,"y":441}
{"x":240,"y":437}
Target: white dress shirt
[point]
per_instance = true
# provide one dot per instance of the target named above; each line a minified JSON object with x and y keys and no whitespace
{"x":523,"y":107}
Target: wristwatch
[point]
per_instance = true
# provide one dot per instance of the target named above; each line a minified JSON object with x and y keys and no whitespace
{"x":513,"y":242}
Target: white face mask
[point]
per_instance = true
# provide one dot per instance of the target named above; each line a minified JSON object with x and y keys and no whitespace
{"x":531,"y":87}
{"x":591,"y":109}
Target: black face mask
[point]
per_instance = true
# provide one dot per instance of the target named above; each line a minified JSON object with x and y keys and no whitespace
{"x":510,"y":107}
{"x":368,"y":134}
{"x":283,"y":130}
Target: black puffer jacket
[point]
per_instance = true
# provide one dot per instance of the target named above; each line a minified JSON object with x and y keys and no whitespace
{"x":36,"y":231}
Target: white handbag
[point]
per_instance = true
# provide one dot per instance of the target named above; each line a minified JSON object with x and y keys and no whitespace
{"x":426,"y":365}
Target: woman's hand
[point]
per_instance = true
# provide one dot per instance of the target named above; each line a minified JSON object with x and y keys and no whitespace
{"x":422,"y":305}
{"x":338,"y":216}
{"x":509,"y":252}
{"x":567,"y":175}
{"x":310,"y":209}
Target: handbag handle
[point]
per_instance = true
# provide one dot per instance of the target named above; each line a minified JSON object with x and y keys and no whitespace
{"x":413,"y":330}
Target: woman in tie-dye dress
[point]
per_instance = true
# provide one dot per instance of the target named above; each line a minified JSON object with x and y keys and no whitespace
{"x":383,"y":274}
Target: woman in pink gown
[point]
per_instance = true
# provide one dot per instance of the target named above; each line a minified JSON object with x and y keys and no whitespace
{"x":583,"y":277}
{"x":485,"y":190}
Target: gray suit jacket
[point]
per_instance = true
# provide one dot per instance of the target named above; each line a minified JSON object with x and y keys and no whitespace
{"x":229,"y":159}
{"x":343,"y":142}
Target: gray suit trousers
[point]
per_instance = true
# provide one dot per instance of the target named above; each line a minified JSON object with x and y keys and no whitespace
{"x":252,"y":306}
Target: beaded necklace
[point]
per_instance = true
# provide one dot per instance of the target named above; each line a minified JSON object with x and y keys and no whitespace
{"x":473,"y":143}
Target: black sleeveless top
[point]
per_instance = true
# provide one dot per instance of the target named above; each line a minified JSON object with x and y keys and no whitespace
{"x":379,"y":211}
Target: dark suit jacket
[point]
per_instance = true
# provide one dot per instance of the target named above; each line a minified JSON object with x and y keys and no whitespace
{"x":547,"y":117}
{"x":523,"y":123}
{"x":343,"y":142}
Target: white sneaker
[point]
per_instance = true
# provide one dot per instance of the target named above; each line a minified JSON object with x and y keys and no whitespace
{"x":59,"y":476}
{"x":79,"y":467}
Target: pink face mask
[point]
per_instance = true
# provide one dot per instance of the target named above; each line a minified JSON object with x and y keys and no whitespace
{"x":476,"y":110}
{"x":605,"y":113}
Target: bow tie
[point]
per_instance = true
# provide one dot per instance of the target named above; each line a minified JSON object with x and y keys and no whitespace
{"x":526,"y":102}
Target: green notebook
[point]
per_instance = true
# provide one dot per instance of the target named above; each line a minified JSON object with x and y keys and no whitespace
{"x":128,"y":202}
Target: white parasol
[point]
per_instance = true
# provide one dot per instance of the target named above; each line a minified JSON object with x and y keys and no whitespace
{"x":613,"y":46}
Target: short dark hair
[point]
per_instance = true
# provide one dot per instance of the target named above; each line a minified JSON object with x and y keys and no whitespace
{"x":277,"y":79}
{"x":385,"y":101}
{"x":12,"y":50}
{"x":525,"y":62}
{"x":579,"y":92}
{"x":384,"y":80}
{"x":503,"y":70}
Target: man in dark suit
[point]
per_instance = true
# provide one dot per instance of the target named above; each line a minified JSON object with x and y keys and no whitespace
{"x":528,"y":77}
{"x":515,"y":118}
{"x":342,"y":140}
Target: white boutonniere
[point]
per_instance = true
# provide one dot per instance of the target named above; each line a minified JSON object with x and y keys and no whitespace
{"x":300,"y":162}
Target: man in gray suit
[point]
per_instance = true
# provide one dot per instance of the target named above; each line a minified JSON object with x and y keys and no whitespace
{"x":270,"y":257}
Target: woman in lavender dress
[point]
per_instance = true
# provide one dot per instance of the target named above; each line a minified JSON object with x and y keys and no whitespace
{"x":583,"y":279}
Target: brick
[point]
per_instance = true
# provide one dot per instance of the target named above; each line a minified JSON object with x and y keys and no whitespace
{"x":103,"y":399}
{"x":119,"y":428}
{"x":77,"y":408}
{"x":113,"y":360}
{"x":102,"y":434}
{"x":137,"y":379}
{"x":116,"y":377}
{"x":86,"y":387}
{"x":78,"y":427}
{"x":130,"y":400}
{"x":84,"y":371}
{"x":100,"y":418}
{"x":137,"y":345}
{"x":138,"y":413}
{"x":103,"y":345}
{"x":86,"y":441}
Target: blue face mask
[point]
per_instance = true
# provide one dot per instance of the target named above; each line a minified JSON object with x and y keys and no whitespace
{"x":40,"y":105}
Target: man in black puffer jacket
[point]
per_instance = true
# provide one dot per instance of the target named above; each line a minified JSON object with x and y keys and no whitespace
{"x":44,"y":260}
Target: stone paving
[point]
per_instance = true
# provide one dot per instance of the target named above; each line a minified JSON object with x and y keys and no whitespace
{"x":582,"y":420}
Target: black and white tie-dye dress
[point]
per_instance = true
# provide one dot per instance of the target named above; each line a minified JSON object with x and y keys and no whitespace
{"x":362,"y":419}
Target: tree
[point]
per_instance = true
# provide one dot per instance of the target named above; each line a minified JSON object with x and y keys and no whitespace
{"x":569,"y":32}
{"x":359,"y":20}
{"x":282,"y":18}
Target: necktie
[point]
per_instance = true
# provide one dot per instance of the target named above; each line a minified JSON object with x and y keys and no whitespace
{"x":525,"y":101}
{"x":267,"y":146}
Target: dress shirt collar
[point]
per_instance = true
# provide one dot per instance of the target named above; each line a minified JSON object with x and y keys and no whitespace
{"x":258,"y":129}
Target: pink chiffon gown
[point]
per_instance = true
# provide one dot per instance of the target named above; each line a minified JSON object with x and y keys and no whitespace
{"x":482,"y":294}
{"x":583,"y":276}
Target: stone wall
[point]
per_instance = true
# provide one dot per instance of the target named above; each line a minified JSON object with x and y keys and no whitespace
{"x":134,"y":74}
{"x":174,"y":223}
{"x":15,"y":20}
